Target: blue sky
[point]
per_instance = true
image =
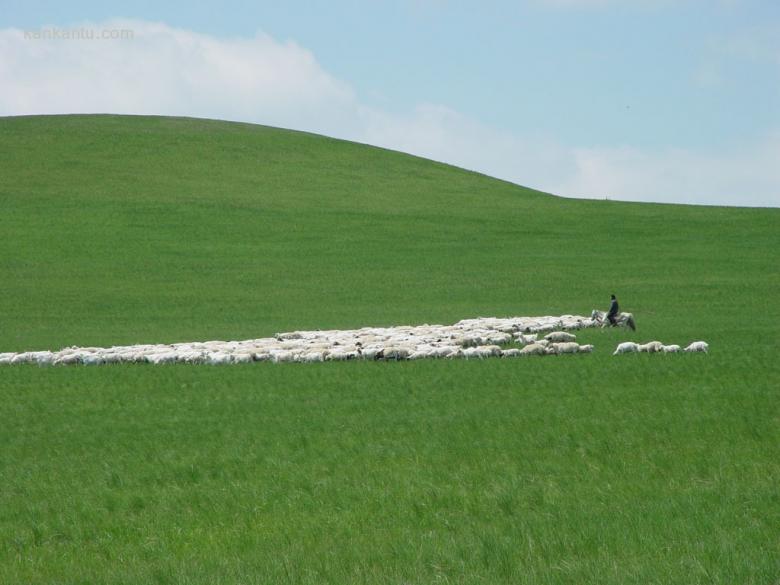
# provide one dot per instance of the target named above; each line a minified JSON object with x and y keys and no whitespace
{"x":628,"y":99}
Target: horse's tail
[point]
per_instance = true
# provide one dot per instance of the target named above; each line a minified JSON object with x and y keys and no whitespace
{"x":630,"y":322}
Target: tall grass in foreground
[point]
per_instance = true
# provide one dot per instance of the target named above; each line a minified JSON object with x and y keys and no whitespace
{"x":560,"y":470}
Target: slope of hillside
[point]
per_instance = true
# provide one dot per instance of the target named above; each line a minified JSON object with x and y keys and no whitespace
{"x":125,"y":229}
{"x":593,"y":469}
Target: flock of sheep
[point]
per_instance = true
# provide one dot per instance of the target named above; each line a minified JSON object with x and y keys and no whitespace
{"x":468,"y":339}
{"x":658,"y":347}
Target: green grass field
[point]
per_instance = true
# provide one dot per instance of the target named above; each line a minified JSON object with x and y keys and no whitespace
{"x":581,"y":469}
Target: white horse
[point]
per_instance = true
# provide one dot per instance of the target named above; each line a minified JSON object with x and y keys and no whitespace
{"x":621,"y":319}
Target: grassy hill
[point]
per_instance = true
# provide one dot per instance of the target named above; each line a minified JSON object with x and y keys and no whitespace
{"x":592,"y":469}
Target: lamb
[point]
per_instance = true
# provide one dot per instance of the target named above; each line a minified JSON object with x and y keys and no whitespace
{"x":626,"y":347}
{"x":587,"y":348}
{"x":671,"y":349}
{"x":513,"y":352}
{"x":698,"y":346}
{"x":560,"y":337}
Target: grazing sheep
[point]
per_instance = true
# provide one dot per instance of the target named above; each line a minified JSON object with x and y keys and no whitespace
{"x":626,"y":347}
{"x":91,"y":359}
{"x":698,"y":346}
{"x":490,"y":350}
{"x":161,"y":358}
{"x":484,"y":334}
{"x":443,"y":352}
{"x":587,"y":348}
{"x":560,"y":337}
{"x":372,"y":353}
{"x":289,"y":335}
{"x":533,"y":349}
{"x":67,"y":359}
{"x":313,"y":356}
{"x":514,"y":352}
{"x":218,"y":358}
{"x":566,"y":347}
{"x":472,"y":352}
{"x":497,"y":338}
{"x":526,"y":339}
{"x":671,"y":349}
{"x":341,"y":356}
{"x":396,"y":353}
{"x":651,"y":347}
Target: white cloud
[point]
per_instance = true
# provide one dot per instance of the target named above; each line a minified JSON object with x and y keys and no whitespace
{"x":163,"y":70}
{"x":750,"y":176}
{"x":170,"y":71}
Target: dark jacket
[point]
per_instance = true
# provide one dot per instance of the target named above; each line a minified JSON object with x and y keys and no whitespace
{"x":613,"y":308}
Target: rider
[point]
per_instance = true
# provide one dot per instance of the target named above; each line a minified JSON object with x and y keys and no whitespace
{"x":613,"y":311}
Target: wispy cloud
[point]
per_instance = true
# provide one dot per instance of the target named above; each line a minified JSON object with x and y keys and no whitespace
{"x":164,"y":70}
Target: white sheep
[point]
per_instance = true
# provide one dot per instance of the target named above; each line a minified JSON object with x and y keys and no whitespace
{"x":67,"y":359}
{"x":626,"y":347}
{"x":91,"y":359}
{"x":671,"y":349}
{"x":513,"y":352}
{"x":472,"y":352}
{"x":533,"y":349}
{"x":565,"y":347}
{"x":587,"y":348}
{"x":403,"y":342}
{"x":395,"y":353}
{"x":218,"y":358}
{"x":526,"y":339}
{"x":651,"y":347}
{"x":560,"y":337}
{"x":698,"y":346}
